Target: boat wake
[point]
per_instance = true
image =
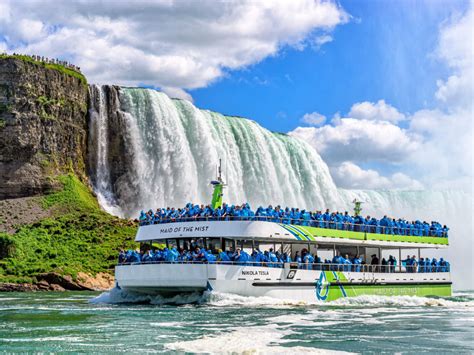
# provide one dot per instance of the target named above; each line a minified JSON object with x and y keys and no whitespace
{"x":216,"y":299}
{"x":118,"y":296}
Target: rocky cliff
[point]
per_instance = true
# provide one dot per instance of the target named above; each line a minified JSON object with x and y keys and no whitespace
{"x":43,"y":126}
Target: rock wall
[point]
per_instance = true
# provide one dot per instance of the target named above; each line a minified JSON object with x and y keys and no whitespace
{"x":43,"y":127}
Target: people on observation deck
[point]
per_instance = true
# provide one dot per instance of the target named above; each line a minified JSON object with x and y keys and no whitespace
{"x":287,"y":215}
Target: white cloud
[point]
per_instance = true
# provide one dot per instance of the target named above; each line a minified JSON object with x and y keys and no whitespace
{"x":4,"y":11}
{"x":172,"y":44}
{"x":177,"y":93}
{"x":436,"y":144}
{"x":314,"y":119}
{"x":456,"y":49}
{"x":455,"y":91}
{"x":375,"y":111}
{"x":351,"y":176}
{"x":456,"y":41}
{"x":29,"y":30}
{"x":359,"y":141}
{"x":320,"y":40}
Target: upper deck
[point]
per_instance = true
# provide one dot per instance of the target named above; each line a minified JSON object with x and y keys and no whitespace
{"x":354,"y":234}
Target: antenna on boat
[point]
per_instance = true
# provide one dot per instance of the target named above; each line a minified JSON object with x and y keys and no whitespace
{"x":357,"y":207}
{"x":218,"y":187}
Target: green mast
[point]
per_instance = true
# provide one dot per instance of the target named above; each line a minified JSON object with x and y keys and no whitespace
{"x":357,"y":207}
{"x":218,"y":188}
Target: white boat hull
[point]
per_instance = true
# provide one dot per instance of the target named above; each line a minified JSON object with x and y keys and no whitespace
{"x":282,"y":283}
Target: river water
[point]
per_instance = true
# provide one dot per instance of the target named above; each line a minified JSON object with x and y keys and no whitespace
{"x":108,"y":322}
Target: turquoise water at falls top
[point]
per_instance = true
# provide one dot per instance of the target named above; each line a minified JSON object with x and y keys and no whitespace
{"x":225,"y":324}
{"x":151,"y":151}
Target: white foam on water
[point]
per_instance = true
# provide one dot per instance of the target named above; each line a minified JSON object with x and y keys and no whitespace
{"x":168,"y":324}
{"x":299,"y":319}
{"x":226,"y":300}
{"x":71,"y":339}
{"x":246,"y":340}
{"x":9,"y":298}
{"x":403,"y":301}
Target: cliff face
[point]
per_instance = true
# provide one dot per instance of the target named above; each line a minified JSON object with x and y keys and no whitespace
{"x":43,"y":127}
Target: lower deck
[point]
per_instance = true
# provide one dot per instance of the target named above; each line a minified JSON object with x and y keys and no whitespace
{"x":283,"y":282}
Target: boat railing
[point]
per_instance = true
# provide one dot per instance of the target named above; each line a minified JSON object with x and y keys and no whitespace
{"x":337,"y":225}
{"x":400,"y":268}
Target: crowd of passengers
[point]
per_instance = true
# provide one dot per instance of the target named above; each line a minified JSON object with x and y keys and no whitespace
{"x":269,"y":258}
{"x":332,"y":220}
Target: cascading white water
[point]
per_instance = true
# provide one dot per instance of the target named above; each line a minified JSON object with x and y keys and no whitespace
{"x":98,"y":130}
{"x":176,"y":148}
{"x":171,"y":149}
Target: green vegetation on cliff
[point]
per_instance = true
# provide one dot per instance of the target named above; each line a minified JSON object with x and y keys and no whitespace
{"x":78,"y":236}
{"x":58,"y":67}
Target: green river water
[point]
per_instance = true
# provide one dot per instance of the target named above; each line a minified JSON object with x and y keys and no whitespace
{"x":102,"y":323}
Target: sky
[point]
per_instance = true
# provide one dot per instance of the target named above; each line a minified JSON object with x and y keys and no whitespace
{"x":383,"y":90}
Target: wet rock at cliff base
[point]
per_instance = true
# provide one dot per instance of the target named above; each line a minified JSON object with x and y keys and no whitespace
{"x":100,"y":282}
{"x":65,"y":281}
{"x":55,"y":287}
{"x":43,"y":285}
{"x":11,"y":287}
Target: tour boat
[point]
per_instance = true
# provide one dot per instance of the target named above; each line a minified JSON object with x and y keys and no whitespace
{"x":284,"y":280}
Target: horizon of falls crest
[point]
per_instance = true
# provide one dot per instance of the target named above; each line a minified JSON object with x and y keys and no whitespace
{"x":148,"y":151}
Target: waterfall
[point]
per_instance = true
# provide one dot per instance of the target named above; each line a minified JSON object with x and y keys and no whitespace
{"x":98,"y":148}
{"x":174,"y":149}
{"x":147,"y":151}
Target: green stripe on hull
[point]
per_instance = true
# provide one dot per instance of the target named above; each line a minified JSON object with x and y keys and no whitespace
{"x":329,"y":288}
{"x":310,"y":233}
{"x":335,"y":291}
{"x":301,"y":232}
{"x":407,"y":238}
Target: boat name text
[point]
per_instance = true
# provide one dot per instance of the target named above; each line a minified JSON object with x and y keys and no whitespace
{"x":254,"y":273}
{"x":184,"y":229}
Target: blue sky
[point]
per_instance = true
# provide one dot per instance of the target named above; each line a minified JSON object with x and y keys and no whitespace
{"x":385,"y":52}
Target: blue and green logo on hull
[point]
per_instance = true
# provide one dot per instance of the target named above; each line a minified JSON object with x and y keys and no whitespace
{"x":324,"y":292}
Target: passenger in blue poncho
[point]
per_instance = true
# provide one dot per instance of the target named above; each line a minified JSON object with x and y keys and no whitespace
{"x":346,"y":262}
{"x":122,"y":256}
{"x":308,"y":259}
{"x":356,"y":261}
{"x":427,"y":267}
{"x":421,"y":265}
{"x":392,"y":262}
{"x":172,"y":255}
{"x":409,"y":265}
{"x":272,"y":258}
{"x":224,"y":258}
{"x":209,"y":257}
{"x":133,"y":256}
{"x":147,"y":256}
{"x":298,"y":259}
{"x":198,"y":254}
{"x":336,"y":261}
